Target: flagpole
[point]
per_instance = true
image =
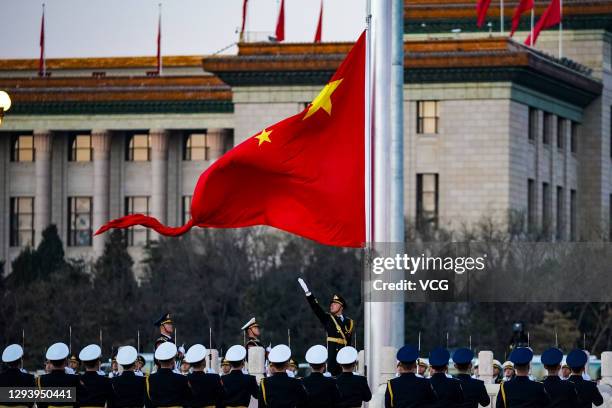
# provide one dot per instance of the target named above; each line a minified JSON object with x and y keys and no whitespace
{"x":501,"y":16}
{"x":159,"y":55}
{"x":397,"y":159}
{"x":532,"y":22}
{"x":561,"y":29}
{"x":43,"y":57}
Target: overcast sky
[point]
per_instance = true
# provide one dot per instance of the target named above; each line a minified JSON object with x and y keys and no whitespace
{"x":101,"y":28}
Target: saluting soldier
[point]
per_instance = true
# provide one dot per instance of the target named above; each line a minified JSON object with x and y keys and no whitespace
{"x":588,"y":393}
{"x":280,"y":390}
{"x":448,"y":390}
{"x":206,"y":388}
{"x":474,"y":391}
{"x":57,"y":376}
{"x":354,"y":389}
{"x":128,"y":388}
{"x":562,"y":393}
{"x":252,"y":332}
{"x":322,"y":391}
{"x":522,"y":391}
{"x":238,"y":386}
{"x":408,"y":389}
{"x":13,"y":376}
{"x":97,"y":389}
{"x":339,"y":328}
{"x":166,"y":388}
{"x":166,"y":329}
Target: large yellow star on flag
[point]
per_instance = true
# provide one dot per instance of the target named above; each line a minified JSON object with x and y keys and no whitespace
{"x":264,"y":136}
{"x":323,"y":100}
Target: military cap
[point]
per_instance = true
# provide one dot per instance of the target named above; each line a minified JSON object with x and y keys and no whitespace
{"x":141,"y":359}
{"x":463,"y":356}
{"x":340,"y":300}
{"x":316,"y":354}
{"x":280,"y":353}
{"x":236,"y":353}
{"x":347,"y":355}
{"x":74,"y":359}
{"x":195,"y":354}
{"x":250,"y":323}
{"x":521,"y":355}
{"x":12,"y":353}
{"x":497,"y":363}
{"x":564,"y":364}
{"x":508,"y":364}
{"x":57,"y":351}
{"x":577,"y":358}
{"x":166,"y":351}
{"x":164,"y":319}
{"x":224,"y":362}
{"x":90,"y":353}
{"x":127,"y":355}
{"x":439,"y":357}
{"x":552,"y":357}
{"x":407,"y":354}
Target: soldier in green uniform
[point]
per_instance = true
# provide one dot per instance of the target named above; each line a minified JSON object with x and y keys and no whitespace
{"x":339,"y":328}
{"x":252,"y":332}
{"x":166,"y":329}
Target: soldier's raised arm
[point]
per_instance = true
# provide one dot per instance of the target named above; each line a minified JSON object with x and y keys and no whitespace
{"x":314,"y":304}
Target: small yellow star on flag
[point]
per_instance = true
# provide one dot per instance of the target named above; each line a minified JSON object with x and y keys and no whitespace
{"x":323,"y":100}
{"x":264,"y":136}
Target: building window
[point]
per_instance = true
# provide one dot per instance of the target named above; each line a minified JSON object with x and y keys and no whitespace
{"x":546,"y":133}
{"x":531,"y":205}
{"x":186,"y":213}
{"x":79,"y":221}
{"x":560,"y":213}
{"x":22,"y":148}
{"x":427,"y":116}
{"x":137,"y":205}
{"x":546,"y":208}
{"x":427,"y":200}
{"x":574,"y":138}
{"x":22,"y":221}
{"x":139,"y":147}
{"x":533,"y":124}
{"x":573,"y":215}
{"x":81,"y":149}
{"x":560,"y":133}
{"x":195,"y":147}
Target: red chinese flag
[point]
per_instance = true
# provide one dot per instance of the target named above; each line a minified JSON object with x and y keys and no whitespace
{"x":280,"y":24}
{"x":41,"y":60}
{"x":318,"y":33}
{"x":523,"y":6}
{"x":481,"y":11}
{"x":304,"y":175}
{"x":550,"y":17}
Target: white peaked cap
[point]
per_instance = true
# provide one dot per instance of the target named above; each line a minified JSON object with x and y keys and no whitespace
{"x":196,"y":353}
{"x":57,"y":351}
{"x":90,"y":353}
{"x":166,"y":351}
{"x":127,"y":355}
{"x":316,"y":354}
{"x":279,"y":354}
{"x":236,"y":353}
{"x":249,"y":323}
{"x":347,"y":355}
{"x":12,"y":353}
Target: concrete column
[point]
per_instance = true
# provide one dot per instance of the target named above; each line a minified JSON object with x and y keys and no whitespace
{"x":42,"y":200}
{"x":485,"y":366}
{"x":213,"y":360}
{"x":159,"y":173}
{"x":606,"y":367}
{"x":257,"y":362}
{"x":101,"y":141}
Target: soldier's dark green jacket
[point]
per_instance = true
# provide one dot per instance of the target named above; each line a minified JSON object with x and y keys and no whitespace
{"x":339,"y":332}
{"x":281,"y":391}
{"x":588,"y":393}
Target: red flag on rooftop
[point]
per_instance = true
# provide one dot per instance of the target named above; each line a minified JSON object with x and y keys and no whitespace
{"x":41,"y":61}
{"x":318,"y":33}
{"x":244,"y":16}
{"x":280,"y":24}
{"x":482,"y":6}
{"x":522,"y":7}
{"x":159,"y":56}
{"x":550,"y":17}
{"x":304,"y":174}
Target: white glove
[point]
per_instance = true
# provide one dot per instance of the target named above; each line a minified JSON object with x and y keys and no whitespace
{"x":303,"y":285}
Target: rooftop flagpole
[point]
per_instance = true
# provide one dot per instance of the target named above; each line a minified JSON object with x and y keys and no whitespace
{"x":561,"y":29}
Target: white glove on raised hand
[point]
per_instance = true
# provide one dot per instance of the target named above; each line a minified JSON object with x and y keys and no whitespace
{"x":303,"y":285}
